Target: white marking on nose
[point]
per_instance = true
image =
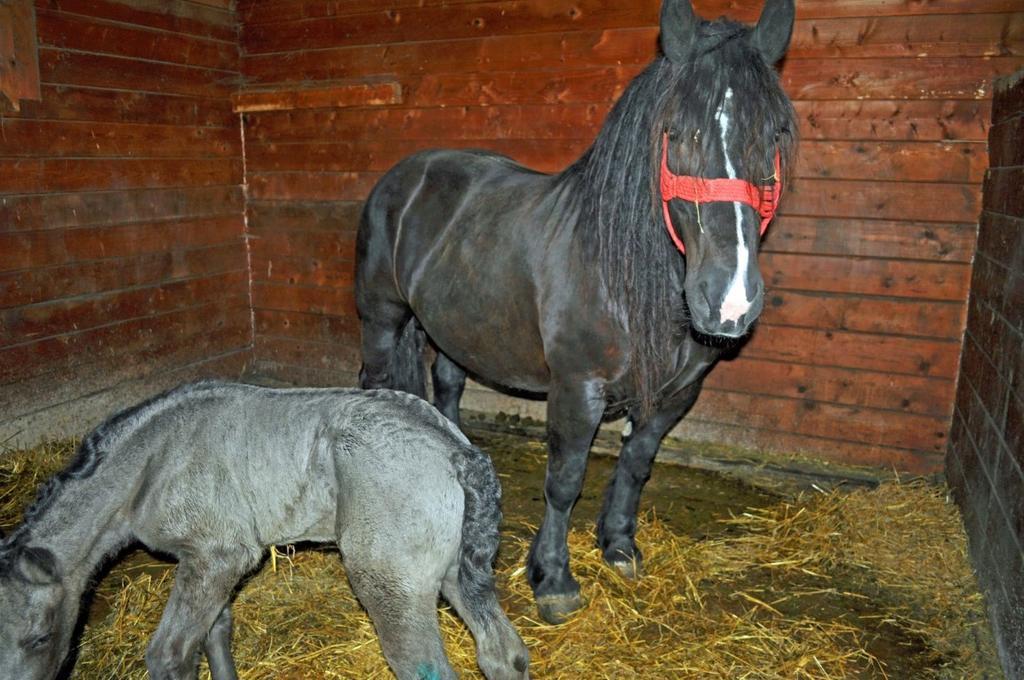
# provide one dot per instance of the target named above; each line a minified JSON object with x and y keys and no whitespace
{"x":735,"y":304}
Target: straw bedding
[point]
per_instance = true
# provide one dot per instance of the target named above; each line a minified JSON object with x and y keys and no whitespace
{"x":845,"y":584}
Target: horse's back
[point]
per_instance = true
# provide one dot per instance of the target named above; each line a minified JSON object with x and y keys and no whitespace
{"x":458,"y":236}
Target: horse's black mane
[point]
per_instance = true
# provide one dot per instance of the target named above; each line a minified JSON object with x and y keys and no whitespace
{"x":621,"y":224}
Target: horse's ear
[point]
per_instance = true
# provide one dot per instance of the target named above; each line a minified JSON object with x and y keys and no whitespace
{"x":678,"y":29}
{"x":774,"y":28}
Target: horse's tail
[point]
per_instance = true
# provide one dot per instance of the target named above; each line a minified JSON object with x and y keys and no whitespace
{"x":408,"y":371}
{"x":480,"y":520}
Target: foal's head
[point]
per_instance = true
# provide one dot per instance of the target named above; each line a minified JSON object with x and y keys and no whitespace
{"x":727,"y":119}
{"x":38,"y":615}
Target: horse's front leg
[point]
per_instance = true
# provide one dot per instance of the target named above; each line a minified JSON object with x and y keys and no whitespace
{"x":574,"y":413}
{"x":616,"y":527}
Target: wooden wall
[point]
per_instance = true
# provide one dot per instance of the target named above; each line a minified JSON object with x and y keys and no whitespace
{"x":868,"y":269}
{"x":122,"y":258}
{"x":985,"y":461}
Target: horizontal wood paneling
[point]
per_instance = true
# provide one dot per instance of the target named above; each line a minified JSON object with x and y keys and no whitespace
{"x":867,"y":266}
{"x":122,"y":250}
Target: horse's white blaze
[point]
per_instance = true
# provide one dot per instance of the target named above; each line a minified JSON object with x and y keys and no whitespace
{"x":735,"y":303}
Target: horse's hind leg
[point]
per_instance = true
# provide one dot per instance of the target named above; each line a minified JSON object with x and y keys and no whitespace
{"x":202,"y":588}
{"x":500,"y":651}
{"x":404,"y":613}
{"x":392,"y":348}
{"x":616,"y":527}
{"x":449,"y":382}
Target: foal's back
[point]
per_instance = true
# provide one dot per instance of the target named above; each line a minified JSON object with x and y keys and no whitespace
{"x":260,"y":466}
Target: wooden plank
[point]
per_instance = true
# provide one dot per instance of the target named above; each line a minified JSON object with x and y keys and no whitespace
{"x":1003,"y":191}
{"x":306,"y":299}
{"x":447,"y":22}
{"x":893,"y":278}
{"x":81,"y":313}
{"x":176,"y":17}
{"x":880,"y":78}
{"x":894,"y":160}
{"x":865,"y":351}
{"x":61,"y":67}
{"x":307,"y":186}
{"x":39,"y":249}
{"x":604,"y":48}
{"x":819,"y":419}
{"x":926,"y":120}
{"x":80,"y":174}
{"x":65,"y":102}
{"x":871,"y":238}
{"x":295,"y":352}
{"x":299,"y":326}
{"x":354,"y":94}
{"x":1006,"y":142}
{"x":37,"y":284}
{"x":883,"y":391}
{"x":161,"y":343}
{"x":19,"y":66}
{"x":76,"y":32}
{"x":944,"y":320}
{"x":570,"y":121}
{"x":282,"y":216}
{"x":320,"y":271}
{"x":28,"y":138}
{"x":58,"y":211}
{"x":1009,"y":97}
{"x":938,"y":35}
{"x":1002,"y":292}
{"x":270,"y":243}
{"x":787,"y":443}
{"x":65,"y":354}
{"x":279,"y":11}
{"x":808,"y":197}
{"x":1001,"y":239}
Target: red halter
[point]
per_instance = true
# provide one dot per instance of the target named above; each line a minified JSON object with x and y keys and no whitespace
{"x":765,"y":200}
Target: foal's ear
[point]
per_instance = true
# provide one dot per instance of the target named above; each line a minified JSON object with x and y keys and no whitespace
{"x":774,"y":28}
{"x":678,"y":29}
{"x":38,"y":566}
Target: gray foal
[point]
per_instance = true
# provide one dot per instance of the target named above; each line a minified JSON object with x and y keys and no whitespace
{"x":214,"y":473}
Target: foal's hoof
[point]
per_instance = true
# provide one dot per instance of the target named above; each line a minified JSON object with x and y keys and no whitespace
{"x":556,"y":609}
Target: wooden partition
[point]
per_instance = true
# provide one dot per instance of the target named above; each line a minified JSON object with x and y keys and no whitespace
{"x":122,"y":255}
{"x":985,"y":461}
{"x":867,"y":269}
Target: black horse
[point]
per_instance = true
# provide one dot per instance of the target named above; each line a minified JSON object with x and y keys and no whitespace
{"x":569,"y":285}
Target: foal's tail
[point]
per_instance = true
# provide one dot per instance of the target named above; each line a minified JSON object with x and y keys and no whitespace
{"x":408,"y":372}
{"x":480,"y":521}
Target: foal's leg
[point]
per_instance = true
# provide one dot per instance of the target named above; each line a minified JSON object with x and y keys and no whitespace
{"x":616,"y":527}
{"x":449,"y":381}
{"x":574,"y":413}
{"x":500,"y":651}
{"x":403,"y":609}
{"x":202,"y":588}
{"x":218,"y":647}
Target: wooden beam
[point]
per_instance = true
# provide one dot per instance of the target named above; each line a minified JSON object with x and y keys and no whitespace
{"x":353,"y":94}
{"x":19,"y":62}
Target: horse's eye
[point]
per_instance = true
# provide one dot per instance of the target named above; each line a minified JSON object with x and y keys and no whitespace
{"x":673,"y":134}
{"x":38,"y":642}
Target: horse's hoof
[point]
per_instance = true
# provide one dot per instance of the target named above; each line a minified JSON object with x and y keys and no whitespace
{"x":556,"y":609}
{"x":628,"y":569}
